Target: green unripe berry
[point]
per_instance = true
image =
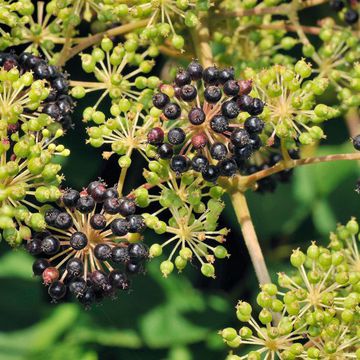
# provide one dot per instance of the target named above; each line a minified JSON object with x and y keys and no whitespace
{"x":166,"y":267}
{"x":208,"y":270}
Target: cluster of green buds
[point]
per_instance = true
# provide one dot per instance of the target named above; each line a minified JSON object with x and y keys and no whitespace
{"x":243,"y":44}
{"x":117,"y":70}
{"x":312,"y":313}
{"x":188,"y":213}
{"x":125,"y":131}
{"x":165,"y":19}
{"x":13,"y":13}
{"x":231,"y":5}
{"x":29,"y":177}
{"x":41,"y":33}
{"x":77,"y":10}
{"x":338,"y":60}
{"x":291,"y":110}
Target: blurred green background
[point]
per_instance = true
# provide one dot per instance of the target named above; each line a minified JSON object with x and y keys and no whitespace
{"x":175,"y":318}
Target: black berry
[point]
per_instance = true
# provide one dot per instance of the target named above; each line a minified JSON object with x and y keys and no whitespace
{"x":179,"y":163}
{"x":120,"y":227}
{"x":85,"y":204}
{"x":127,"y":207}
{"x":70,"y":198}
{"x":160,"y":100}
{"x":176,"y":136}
{"x":211,"y":75}
{"x":50,"y":245}
{"x":230,"y":109}
{"x":112,"y":205}
{"x":98,"y":221}
{"x":195,"y":70}
{"x":57,"y":290}
{"x":196,"y":116}
{"x":136,"y":223}
{"x":253,"y":124}
{"x":212,"y":94}
{"x":165,"y":151}
{"x":39,"y":266}
{"x":211,"y":173}
{"x":120,"y":254}
{"x":182,"y":78}
{"x":172,"y":111}
{"x":231,"y":88}
{"x":199,"y":163}
{"x":75,"y":267}
{"x":102,"y":252}
{"x":78,"y":240}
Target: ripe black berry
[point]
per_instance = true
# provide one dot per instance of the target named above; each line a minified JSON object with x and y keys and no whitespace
{"x":60,"y":85}
{"x":111,"y":193}
{"x":120,"y":227}
{"x":255,"y":141}
{"x":188,"y":92}
{"x":240,"y":137}
{"x":230,"y":109}
{"x":211,"y":75}
{"x":77,"y":286}
{"x":85,"y":204}
{"x":120,"y":254}
{"x":98,"y":221}
{"x":127,"y":207}
{"x":176,"y":136}
{"x":199,"y":163}
{"x":136,"y":223}
{"x":218,"y":151}
{"x":219,"y":124}
{"x":50,"y":245}
{"x":225,"y":75}
{"x":212,"y":94}
{"x":92,"y":186}
{"x":75,"y":267}
{"x":52,"y":110}
{"x":356,"y":142}
{"x":253,"y":124}
{"x":63,"y":221}
{"x":112,"y":205}
{"x":243,"y":153}
{"x":210,"y":173}
{"x":102,"y":252}
{"x":182,"y":78}
{"x":160,"y":100}
{"x":155,"y":136}
{"x":78,"y":240}
{"x":88,"y":297}
{"x":98,"y":193}
{"x":337,"y":5}
{"x":51,"y":215}
{"x":138,"y":251}
{"x":119,"y":280}
{"x":70,"y":198}
{"x":231,"y":88}
{"x":100,"y":280}
{"x":39,"y":266}
{"x":227,"y":167}
{"x":245,"y":102}
{"x":179,"y":163}
{"x":172,"y":111}
{"x":196,"y":116}
{"x":41,"y":70}
{"x":351,"y":16}
{"x":256,"y":107}
{"x":195,"y":70}
{"x":34,"y":247}
{"x":165,"y":151}
{"x":57,"y":290}
{"x":133,"y":268}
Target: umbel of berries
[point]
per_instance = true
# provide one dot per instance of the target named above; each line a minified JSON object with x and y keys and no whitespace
{"x":33,"y":87}
{"x":92,"y":245}
{"x":200,"y":126}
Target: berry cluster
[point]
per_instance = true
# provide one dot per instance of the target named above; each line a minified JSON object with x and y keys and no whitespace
{"x":199,"y":115}
{"x":316,"y":311}
{"x":33,"y":87}
{"x":349,"y":10}
{"x":88,"y":237}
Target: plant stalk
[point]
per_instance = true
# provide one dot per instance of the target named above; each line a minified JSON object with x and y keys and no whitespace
{"x":241,"y":208}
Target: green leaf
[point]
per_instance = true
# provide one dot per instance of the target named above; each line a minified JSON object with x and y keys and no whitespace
{"x":17,"y":264}
{"x":164,"y":326}
{"x":323,"y":217}
{"x":106,"y":337}
{"x":40,"y":336}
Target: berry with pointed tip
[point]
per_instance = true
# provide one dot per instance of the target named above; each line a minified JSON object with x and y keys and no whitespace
{"x":172,"y":111}
{"x":85,"y":204}
{"x":111,"y":206}
{"x":182,"y":78}
{"x":210,"y":75}
{"x":70,"y":198}
{"x":195,"y":70}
